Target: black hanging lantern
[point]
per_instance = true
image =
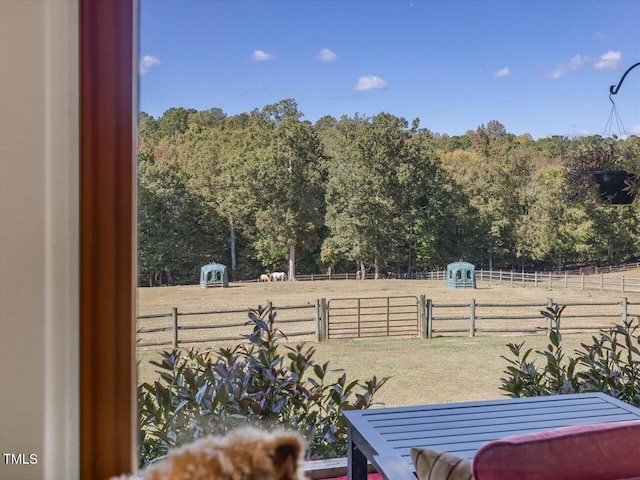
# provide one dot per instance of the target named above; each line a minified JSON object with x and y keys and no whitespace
{"x":615,"y":186}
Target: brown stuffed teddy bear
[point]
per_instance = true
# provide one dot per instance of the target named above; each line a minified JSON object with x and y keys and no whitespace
{"x":244,"y":454}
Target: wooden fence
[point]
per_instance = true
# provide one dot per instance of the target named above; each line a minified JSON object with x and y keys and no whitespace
{"x":622,"y":283}
{"x":394,"y":316}
{"x":474,"y":318}
{"x":178,"y":328}
{"x":593,"y":278}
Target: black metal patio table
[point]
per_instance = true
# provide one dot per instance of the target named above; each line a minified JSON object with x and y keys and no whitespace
{"x":384,"y":436}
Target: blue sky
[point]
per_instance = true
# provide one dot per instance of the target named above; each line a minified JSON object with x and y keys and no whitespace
{"x":542,"y":67}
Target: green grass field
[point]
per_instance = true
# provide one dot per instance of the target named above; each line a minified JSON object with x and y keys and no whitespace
{"x":441,"y":369}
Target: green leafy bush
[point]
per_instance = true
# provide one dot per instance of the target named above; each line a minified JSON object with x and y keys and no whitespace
{"x":610,"y":364}
{"x":210,"y":392}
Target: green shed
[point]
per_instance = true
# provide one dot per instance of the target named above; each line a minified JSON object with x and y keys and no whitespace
{"x":213,"y":275}
{"x":461,"y":275}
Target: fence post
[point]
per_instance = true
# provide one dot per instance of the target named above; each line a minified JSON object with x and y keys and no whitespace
{"x":358,"y":318}
{"x":622,"y":283}
{"x":624,"y":304}
{"x":565,"y":279}
{"x":472,"y":318}
{"x":535,"y":278}
{"x":174,"y":325}
{"x":512,"y":277}
{"x":550,"y":282}
{"x":601,"y":282}
{"x":388,"y":317}
{"x":324,"y":320}
{"x":429,"y":318}
{"x":269,"y":307}
{"x":549,"y":305}
{"x":582,"y":280}
{"x":317,"y":315}
{"x":422,"y":316}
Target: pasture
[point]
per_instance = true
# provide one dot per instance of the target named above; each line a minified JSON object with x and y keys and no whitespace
{"x":442,"y":369}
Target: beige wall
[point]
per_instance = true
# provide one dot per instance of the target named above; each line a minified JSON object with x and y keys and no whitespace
{"x":39,"y":237}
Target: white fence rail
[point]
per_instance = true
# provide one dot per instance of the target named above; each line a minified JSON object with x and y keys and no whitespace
{"x":612,"y":283}
{"x":591,"y":278}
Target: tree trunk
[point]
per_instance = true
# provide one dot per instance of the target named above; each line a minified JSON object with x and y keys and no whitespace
{"x":232,"y":242}
{"x":292,"y":263}
{"x":376,"y":276}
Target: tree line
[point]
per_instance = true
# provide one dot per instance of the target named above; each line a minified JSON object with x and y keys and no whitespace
{"x":266,"y":190}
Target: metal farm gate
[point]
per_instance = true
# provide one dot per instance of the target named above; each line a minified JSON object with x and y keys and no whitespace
{"x":373,"y":317}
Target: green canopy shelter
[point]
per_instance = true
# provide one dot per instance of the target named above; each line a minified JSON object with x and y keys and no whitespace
{"x":213,"y":275}
{"x":461,"y":275}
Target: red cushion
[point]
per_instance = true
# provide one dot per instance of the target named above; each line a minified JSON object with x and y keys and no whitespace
{"x":371,"y":476}
{"x":600,"y":451}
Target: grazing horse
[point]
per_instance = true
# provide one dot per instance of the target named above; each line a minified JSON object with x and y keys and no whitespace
{"x":264,"y":278}
{"x":278,"y":276}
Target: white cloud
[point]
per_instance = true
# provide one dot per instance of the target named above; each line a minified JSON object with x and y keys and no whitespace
{"x":576,"y":63}
{"x":326,"y":55}
{"x":581,"y":133}
{"x":609,"y":61}
{"x":634,"y":130}
{"x":261,"y":56}
{"x":505,"y":72}
{"x":147,"y":62}
{"x":370,"y":82}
